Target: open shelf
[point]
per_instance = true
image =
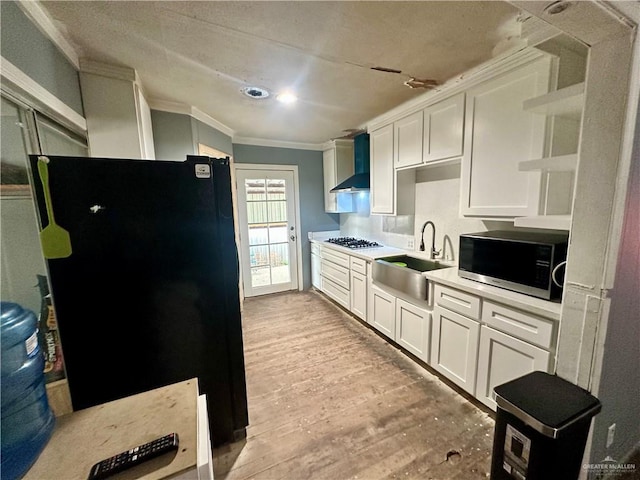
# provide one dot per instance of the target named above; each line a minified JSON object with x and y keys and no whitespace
{"x":560,"y":163}
{"x":551,"y":222}
{"x":566,"y":102}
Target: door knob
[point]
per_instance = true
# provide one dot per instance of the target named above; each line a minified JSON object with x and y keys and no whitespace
{"x":293,"y":238}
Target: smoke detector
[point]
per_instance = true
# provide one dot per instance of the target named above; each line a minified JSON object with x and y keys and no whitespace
{"x":256,"y":93}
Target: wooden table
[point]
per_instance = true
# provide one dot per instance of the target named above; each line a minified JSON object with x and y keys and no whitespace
{"x":82,"y":438}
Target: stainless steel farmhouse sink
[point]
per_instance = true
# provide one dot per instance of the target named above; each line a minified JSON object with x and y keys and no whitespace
{"x":404,"y":273}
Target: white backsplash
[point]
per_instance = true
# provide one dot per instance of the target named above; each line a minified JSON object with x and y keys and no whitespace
{"x":437,"y":199}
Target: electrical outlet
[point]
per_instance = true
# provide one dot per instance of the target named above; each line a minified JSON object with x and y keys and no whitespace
{"x":610,"y":433}
{"x":410,"y":244}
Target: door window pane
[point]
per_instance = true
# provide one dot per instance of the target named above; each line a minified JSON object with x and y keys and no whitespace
{"x":276,"y":189}
{"x":277,"y":211}
{"x":256,"y":212}
{"x":277,"y":233}
{"x":255,"y":189}
{"x":259,"y":255}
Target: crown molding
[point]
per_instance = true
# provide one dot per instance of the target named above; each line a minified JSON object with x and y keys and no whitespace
{"x":41,"y":19}
{"x":212,"y":122}
{"x":36,"y":95}
{"x":106,"y":70}
{"x":184,"y":109}
{"x":167,"y":106}
{"x":264,"y":142}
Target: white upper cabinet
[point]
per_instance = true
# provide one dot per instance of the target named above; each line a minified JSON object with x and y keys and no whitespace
{"x":382,"y":180}
{"x":443,"y":129}
{"x":392,"y":192}
{"x":337,"y":165}
{"x":408,"y":140}
{"x":499,"y":134}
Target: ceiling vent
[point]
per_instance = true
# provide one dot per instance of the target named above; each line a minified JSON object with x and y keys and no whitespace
{"x":421,"y":83}
{"x":255,"y":92}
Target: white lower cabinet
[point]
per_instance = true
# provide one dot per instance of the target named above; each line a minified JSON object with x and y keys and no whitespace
{"x":382,"y":314}
{"x":316,"y":275}
{"x":359,"y":295}
{"x":454,"y":347}
{"x":503,"y":358}
{"x":479,"y":344}
{"x":413,"y":328}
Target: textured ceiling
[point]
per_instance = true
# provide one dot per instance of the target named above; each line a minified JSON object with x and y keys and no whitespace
{"x":203,"y":53}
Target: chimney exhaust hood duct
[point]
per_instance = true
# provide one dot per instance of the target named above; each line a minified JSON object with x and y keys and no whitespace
{"x":360,"y":180}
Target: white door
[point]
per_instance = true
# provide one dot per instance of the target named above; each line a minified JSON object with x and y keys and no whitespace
{"x":268,"y":230}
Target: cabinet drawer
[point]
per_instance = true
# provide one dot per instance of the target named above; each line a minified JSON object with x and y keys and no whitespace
{"x":335,"y":273}
{"x":537,"y":330}
{"x":336,"y":292}
{"x":333,"y":256}
{"x":457,"y":301}
{"x":315,"y":248}
{"x":359,"y":265}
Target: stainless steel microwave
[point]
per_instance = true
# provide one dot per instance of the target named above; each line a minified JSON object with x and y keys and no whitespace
{"x":520,"y":261}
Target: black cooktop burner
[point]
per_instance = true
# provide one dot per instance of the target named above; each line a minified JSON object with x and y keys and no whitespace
{"x":351,"y":242}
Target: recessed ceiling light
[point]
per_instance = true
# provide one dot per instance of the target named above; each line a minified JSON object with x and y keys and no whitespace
{"x":287,"y":98}
{"x":255,"y":92}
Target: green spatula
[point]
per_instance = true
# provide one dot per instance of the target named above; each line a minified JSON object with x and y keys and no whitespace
{"x":55,"y":240}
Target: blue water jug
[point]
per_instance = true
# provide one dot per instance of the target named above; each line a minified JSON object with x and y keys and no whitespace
{"x":27,"y":419}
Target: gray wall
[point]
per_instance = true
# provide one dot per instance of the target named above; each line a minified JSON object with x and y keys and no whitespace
{"x":34,"y":54}
{"x":176,"y":135}
{"x":172,"y":136}
{"x":312,"y":215}
{"x":620,"y":380}
{"x":203,"y":133}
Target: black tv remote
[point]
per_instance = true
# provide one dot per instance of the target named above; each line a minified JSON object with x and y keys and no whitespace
{"x":134,"y":456}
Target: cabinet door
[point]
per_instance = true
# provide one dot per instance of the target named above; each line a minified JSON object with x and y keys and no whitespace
{"x":408,"y":140}
{"x":503,"y":358}
{"x":329,"y":172}
{"x":454,"y":347}
{"x":498,"y":135}
{"x":383,"y":312}
{"x":359,"y":295}
{"x":382,"y":191}
{"x":413,"y":328}
{"x":444,"y":129}
{"x":316,"y":277}
{"x":337,"y":165}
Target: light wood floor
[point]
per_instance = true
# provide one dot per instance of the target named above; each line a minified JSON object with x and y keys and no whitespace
{"x":330,"y":399}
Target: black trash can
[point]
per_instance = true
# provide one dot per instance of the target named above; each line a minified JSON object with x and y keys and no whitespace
{"x":542,"y":424}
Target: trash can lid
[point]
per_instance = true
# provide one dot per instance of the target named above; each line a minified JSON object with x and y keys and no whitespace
{"x":546,"y":402}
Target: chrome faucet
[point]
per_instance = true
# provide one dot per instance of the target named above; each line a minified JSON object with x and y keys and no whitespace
{"x":434,"y":253}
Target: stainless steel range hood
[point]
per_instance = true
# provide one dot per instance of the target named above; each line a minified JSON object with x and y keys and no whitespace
{"x":360,"y":180}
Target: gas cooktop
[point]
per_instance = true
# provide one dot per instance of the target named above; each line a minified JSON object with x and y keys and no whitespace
{"x":351,"y":242}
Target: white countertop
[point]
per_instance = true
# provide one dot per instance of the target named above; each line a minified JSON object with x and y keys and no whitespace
{"x":450,"y":277}
{"x":369,"y":253}
{"x":537,"y":306}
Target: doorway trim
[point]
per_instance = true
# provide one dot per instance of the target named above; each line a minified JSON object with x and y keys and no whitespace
{"x":296,"y":199}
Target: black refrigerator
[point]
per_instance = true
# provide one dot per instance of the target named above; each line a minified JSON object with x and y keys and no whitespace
{"x":148,"y":294}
